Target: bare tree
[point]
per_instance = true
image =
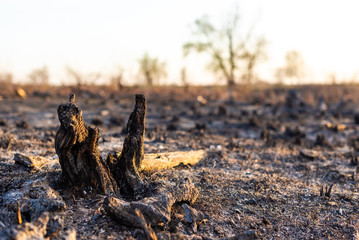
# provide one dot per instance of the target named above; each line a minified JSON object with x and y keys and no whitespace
{"x":117,"y":79}
{"x":152,"y":69}
{"x":232,"y":56}
{"x":294,"y":66}
{"x":252,"y":57}
{"x":333,"y":79}
{"x":184,"y":79}
{"x":279,"y":75}
{"x":75,"y":76}
{"x":6,"y":83}
{"x":39,"y":76}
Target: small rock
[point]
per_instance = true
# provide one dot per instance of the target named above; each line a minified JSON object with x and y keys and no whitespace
{"x":309,"y":154}
{"x":193,"y":217}
{"x":251,"y":202}
{"x":251,"y":234}
{"x":97,"y":121}
{"x":356,"y":118}
{"x":22,"y":124}
{"x":105,"y":112}
{"x":201,"y":100}
{"x":116,"y":121}
{"x":3,"y":123}
{"x":173,"y":124}
{"x":172,"y":127}
{"x":222,"y":110}
{"x":200,"y":126}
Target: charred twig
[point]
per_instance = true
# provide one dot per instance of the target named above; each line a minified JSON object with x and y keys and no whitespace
{"x":147,"y":230}
{"x":326,"y":192}
{"x":148,"y":234}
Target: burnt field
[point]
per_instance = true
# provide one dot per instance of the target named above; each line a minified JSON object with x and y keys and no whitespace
{"x":278,"y":163}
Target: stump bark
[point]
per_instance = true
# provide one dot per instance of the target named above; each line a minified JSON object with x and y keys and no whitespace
{"x":76,"y":145}
{"x":125,"y":168}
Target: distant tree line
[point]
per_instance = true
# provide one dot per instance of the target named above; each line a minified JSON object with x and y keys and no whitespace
{"x":234,"y":55}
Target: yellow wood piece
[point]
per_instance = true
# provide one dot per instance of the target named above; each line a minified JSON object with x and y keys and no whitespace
{"x":158,"y":161}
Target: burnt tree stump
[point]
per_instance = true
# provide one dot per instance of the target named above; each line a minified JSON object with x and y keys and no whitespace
{"x":120,"y":176}
{"x":76,"y":145}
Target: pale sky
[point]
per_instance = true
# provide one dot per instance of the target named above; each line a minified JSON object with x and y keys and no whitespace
{"x":98,"y":36}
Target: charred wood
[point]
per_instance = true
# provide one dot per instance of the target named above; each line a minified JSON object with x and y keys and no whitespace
{"x":156,"y":210}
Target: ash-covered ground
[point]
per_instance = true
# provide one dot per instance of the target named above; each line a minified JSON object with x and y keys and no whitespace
{"x":280,"y":163}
